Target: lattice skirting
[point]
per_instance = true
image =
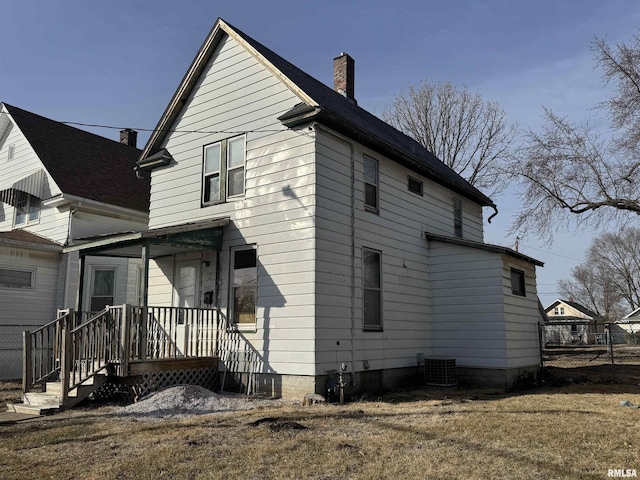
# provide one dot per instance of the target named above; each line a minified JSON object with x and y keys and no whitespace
{"x":135,"y":388}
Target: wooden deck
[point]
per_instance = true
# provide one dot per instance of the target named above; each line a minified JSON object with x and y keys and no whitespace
{"x":127,"y":342}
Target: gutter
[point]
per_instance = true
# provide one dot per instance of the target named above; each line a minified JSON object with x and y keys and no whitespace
{"x":66,"y":199}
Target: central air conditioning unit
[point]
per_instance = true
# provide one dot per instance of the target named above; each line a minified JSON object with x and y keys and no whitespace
{"x":440,"y":371}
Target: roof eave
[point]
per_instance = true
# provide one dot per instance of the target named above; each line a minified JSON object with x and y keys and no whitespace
{"x":302,"y":114}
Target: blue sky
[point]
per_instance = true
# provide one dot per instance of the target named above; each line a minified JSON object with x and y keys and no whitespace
{"x":118,"y":62}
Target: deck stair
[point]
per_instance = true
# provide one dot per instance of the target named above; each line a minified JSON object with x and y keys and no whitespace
{"x":50,"y":400}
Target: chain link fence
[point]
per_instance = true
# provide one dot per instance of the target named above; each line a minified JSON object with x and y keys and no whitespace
{"x":11,"y":350}
{"x":579,"y":352}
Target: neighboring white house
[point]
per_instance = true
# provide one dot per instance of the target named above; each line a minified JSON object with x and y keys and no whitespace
{"x":627,"y":329}
{"x":58,"y":184}
{"x":572,"y":323}
{"x":333,"y":238}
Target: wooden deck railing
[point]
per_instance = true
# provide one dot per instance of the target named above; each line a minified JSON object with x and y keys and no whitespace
{"x":42,"y":350}
{"x":123,"y":334}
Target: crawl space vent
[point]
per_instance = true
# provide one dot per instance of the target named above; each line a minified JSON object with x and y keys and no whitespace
{"x":440,"y":371}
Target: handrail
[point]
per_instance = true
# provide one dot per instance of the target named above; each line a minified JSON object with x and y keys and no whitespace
{"x":92,"y":346}
{"x":42,"y":350}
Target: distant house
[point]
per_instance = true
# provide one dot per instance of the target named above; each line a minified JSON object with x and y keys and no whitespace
{"x":569,"y":322}
{"x":320,"y":234}
{"x":627,"y":329}
{"x":58,"y":184}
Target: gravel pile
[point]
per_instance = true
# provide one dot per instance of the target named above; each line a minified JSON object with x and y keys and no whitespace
{"x":188,"y":400}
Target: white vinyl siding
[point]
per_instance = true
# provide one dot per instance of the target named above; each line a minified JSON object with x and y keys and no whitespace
{"x":276,"y":212}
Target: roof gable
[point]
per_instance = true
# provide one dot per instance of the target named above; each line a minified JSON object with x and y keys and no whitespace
{"x":84,"y":164}
{"x":577,"y":306}
{"x":318,"y":103}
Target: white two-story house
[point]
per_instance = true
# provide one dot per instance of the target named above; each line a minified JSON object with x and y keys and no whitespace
{"x":58,"y":184}
{"x":326,"y":236}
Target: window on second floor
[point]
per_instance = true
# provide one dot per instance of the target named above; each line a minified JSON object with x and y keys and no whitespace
{"x":370,"y":184}
{"x":457,"y":217}
{"x":517,"y":283}
{"x":558,"y":311}
{"x":27,"y":209}
{"x":11,"y":152}
{"x":223,"y":170}
{"x":415,"y":186}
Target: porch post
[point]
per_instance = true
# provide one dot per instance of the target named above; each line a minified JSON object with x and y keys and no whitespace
{"x":80,"y":286}
{"x":146,"y":250}
{"x":26,"y":361}
{"x":145,"y":279}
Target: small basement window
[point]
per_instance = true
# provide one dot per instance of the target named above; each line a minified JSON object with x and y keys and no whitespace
{"x":517,"y":282}
{"x":415,"y":186}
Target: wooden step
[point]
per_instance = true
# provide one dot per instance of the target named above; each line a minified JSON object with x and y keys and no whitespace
{"x":41,"y":399}
{"x":32,"y":409}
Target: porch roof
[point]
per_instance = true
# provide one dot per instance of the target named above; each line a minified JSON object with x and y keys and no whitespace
{"x":194,"y":236}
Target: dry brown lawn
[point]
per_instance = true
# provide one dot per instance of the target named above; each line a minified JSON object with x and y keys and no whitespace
{"x":575,"y":432}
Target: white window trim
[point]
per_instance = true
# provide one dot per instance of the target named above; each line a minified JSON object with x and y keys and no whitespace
{"x":223,"y":172}
{"x":241,"y":327}
{"x":27,"y":221}
{"x":11,"y":152}
{"x":367,"y":327}
{"x":367,"y":207}
{"x":33,"y":272}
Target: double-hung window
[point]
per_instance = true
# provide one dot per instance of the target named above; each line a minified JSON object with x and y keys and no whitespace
{"x":457,"y":217}
{"x":223,"y":170}
{"x":372,"y":294}
{"x":244,"y":286}
{"x":27,"y":209}
{"x":371,"y":183}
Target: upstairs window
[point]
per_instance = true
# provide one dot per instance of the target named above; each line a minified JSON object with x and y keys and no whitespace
{"x":558,"y":311}
{"x":11,"y":152}
{"x":517,"y":282}
{"x":12,"y":278}
{"x":415,"y":186}
{"x":27,"y":209}
{"x":457,"y":217}
{"x":370,"y":184}
{"x":223,"y":170}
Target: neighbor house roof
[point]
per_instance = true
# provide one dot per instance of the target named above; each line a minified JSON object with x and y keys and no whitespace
{"x":83,"y":164}
{"x":318,"y":103}
{"x":577,"y":306}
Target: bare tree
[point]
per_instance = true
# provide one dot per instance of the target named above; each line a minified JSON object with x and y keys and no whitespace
{"x":470,"y":135}
{"x":590,"y":287}
{"x":609,"y":280}
{"x":569,"y":167}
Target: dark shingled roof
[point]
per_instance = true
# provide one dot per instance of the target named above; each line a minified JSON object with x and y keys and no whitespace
{"x":333,"y":110}
{"x":84,"y":164}
{"x":339,"y":112}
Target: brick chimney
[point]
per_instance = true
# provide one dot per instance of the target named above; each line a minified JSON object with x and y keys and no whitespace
{"x":129,"y":137}
{"x":344,"y":75}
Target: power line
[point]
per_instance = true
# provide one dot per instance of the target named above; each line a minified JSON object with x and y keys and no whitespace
{"x":551,"y":253}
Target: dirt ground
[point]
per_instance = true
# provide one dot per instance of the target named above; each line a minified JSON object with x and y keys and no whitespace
{"x":569,"y":432}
